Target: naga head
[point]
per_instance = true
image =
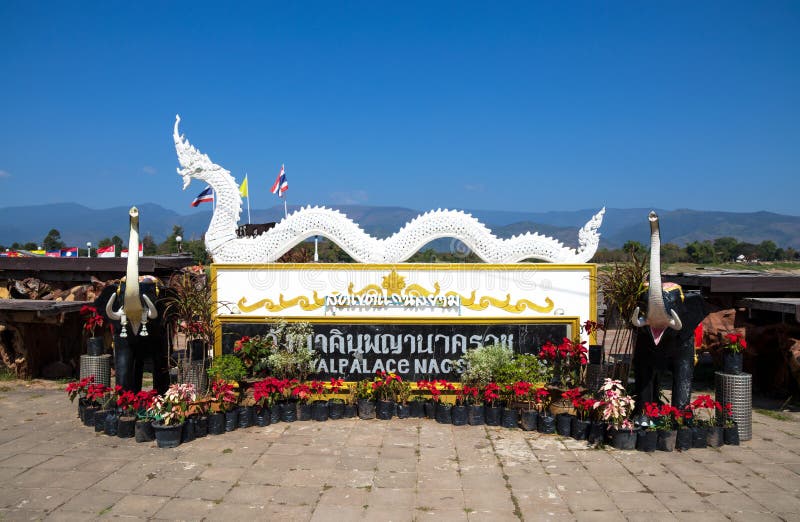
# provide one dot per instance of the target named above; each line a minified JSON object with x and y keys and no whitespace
{"x":661,"y":299}
{"x":194,"y":164}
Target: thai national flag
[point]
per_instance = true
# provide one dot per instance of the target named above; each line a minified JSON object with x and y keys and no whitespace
{"x":69,"y":252}
{"x":207,"y":196}
{"x":281,"y":185}
{"x":53,"y":253}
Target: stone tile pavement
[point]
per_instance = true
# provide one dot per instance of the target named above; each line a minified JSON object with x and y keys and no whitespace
{"x":54,"y":468}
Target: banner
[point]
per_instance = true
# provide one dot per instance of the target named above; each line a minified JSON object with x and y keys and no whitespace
{"x":108,"y":251}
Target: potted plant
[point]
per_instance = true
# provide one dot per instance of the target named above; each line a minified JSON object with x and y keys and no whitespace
{"x":733,"y":346}
{"x":581,"y":422}
{"x":402,"y":396}
{"x":365,"y":399}
{"x":429,"y":405}
{"x":565,"y":418}
{"x":351,"y":401}
{"x":264,"y":393}
{"x":474,"y":400}
{"x":515,"y":394}
{"x":568,"y":362}
{"x":335,"y":404}
{"x":224,"y":415}
{"x":702,"y":420}
{"x":101,"y":395}
{"x":459,"y":411}
{"x":77,"y":389}
{"x":169,"y":412}
{"x":385,"y":387}
{"x":683,"y":438}
{"x":292,"y":357}
{"x":226,"y":367}
{"x":616,"y":407}
{"x":648,"y":436}
{"x":444,"y":410}
{"x":91,"y":323}
{"x":666,"y":419}
{"x":126,"y":423}
{"x":730,"y":428}
{"x":246,"y":410}
{"x":288,"y":402}
{"x":528,"y":415}
{"x":254,"y":353}
{"x":546,"y":422}
{"x":492,"y":411}
{"x":143,"y":428}
{"x":319,"y":406}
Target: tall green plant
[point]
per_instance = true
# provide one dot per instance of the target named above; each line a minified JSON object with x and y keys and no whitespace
{"x":483,"y":365}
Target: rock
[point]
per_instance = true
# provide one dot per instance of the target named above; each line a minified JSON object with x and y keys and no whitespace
{"x":57,"y":370}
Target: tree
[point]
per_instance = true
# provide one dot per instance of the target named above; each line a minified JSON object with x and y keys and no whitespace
{"x":766,"y":250}
{"x":149,"y":247}
{"x":30,"y":246}
{"x":672,"y":253}
{"x":634,"y":247}
{"x":52,"y":241}
{"x":701,"y":252}
{"x":726,"y":248}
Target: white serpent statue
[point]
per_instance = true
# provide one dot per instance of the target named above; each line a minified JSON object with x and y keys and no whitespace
{"x":225,"y":247}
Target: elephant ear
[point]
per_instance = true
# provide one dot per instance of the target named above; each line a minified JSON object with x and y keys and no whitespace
{"x":101,"y":300}
{"x":695,"y":312}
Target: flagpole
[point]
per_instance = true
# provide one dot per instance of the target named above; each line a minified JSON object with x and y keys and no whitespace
{"x":285,"y":210}
{"x":248,"y":199}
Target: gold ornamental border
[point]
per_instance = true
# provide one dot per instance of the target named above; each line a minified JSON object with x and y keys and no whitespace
{"x":590,"y":268}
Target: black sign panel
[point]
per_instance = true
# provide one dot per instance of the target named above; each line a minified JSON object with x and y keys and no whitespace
{"x":414,"y":351}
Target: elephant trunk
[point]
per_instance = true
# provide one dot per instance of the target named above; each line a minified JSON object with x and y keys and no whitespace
{"x":657,"y":318}
{"x":133,"y":304}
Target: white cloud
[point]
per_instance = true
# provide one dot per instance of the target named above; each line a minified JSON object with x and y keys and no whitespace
{"x":147,"y":169}
{"x":4,"y":174}
{"x":354,"y":197}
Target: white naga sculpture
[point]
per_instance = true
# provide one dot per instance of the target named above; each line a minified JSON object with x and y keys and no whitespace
{"x":226,"y":247}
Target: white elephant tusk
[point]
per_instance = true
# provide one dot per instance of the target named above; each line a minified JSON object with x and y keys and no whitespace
{"x":152,"y":313}
{"x":675,"y":323}
{"x":637,"y":320}
{"x":110,"y":308}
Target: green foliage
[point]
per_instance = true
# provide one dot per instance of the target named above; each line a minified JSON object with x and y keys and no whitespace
{"x":525,"y":368}
{"x":52,"y":241}
{"x":483,"y":365}
{"x":622,"y":285}
{"x":292,"y":358}
{"x":227,"y":367}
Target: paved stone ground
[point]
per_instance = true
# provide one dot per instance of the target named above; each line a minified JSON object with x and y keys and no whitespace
{"x":54,"y":468}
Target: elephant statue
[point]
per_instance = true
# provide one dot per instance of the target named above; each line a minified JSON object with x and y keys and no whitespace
{"x":134,"y":308}
{"x":665,"y":335}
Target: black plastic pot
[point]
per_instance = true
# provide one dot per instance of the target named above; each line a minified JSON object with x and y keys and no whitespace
{"x":100,"y":420}
{"x":699,"y":437}
{"x":528,"y":419}
{"x":335,"y":409}
{"x":647,"y":440}
{"x":232,"y":419}
{"x":168,"y":436}
{"x":350,"y":411}
{"x":683,"y":440}
{"x":198,"y":349}
{"x":597,"y":432}
{"x":275,"y":414}
{"x":216,"y":423}
{"x":201,"y":426}
{"x":417,"y":409}
{"x":492,"y":414}
{"x":88,"y":414}
{"x":595,"y":354}
{"x":245,"y":416}
{"x":715,"y":436}
{"x":459,"y":415}
{"x":288,"y":411}
{"x":564,"y":424}
{"x":82,"y":404}
{"x":384,"y":410}
{"x":303,"y":411}
{"x":366,"y":409}
{"x":475,"y":415}
{"x":143,"y":431}
{"x":261,"y":416}
{"x":403,"y":411}
{"x":579,"y":429}
{"x":319,"y":411}
{"x":623,"y":439}
{"x":430,"y":409}
{"x":731,"y":435}
{"x":666,"y":440}
{"x":546,"y":423}
{"x":510,"y":418}
{"x":444,"y":413}
{"x":110,"y":423}
{"x":188,"y":434}
{"x":732,"y":362}
{"x":126,"y":427}
{"x":95,"y":347}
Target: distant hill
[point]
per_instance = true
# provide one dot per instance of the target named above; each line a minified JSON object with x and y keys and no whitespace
{"x":79,"y":224}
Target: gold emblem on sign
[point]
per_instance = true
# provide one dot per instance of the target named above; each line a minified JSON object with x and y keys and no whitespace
{"x":394,"y":284}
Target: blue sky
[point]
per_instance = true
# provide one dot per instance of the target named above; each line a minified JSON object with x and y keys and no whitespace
{"x":489,"y":105}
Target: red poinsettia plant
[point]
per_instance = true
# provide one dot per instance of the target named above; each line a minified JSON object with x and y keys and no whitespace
{"x":223,"y":395}
{"x":470,"y":395}
{"x":491,"y":393}
{"x":541,"y":398}
{"x":664,"y":417}
{"x":568,"y":360}
{"x":269,"y":391}
{"x":435,"y":388}
{"x":91,"y":319}
{"x":386,"y":386}
{"x":734,"y":342}
{"x":301,"y":392}
{"x":520,"y":391}
{"x":704,"y":409}
{"x":78,"y":388}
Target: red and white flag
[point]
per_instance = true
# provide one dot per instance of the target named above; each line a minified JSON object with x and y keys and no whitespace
{"x":108,"y":251}
{"x":281,"y":184}
{"x":125,"y":251}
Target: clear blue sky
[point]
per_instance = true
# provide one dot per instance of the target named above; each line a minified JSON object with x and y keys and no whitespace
{"x":491,"y":105}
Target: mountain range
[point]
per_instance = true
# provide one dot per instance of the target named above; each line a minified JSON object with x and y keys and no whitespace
{"x":79,"y":224}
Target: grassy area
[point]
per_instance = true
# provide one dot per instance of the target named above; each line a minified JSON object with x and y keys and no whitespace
{"x":774,"y":414}
{"x":6,"y":374}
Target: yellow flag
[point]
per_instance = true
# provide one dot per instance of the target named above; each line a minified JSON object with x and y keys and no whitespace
{"x":243,"y":187}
